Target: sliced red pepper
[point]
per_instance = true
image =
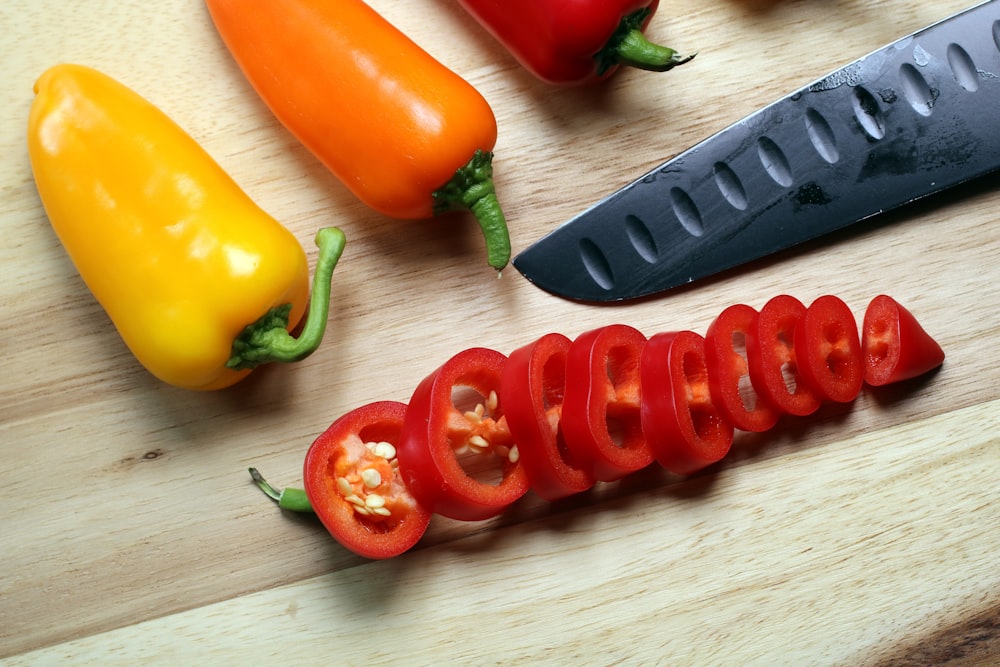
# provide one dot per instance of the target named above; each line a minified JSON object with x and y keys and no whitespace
{"x":685,"y":430}
{"x":352,"y":482}
{"x":895,"y":346}
{"x":828,"y":350}
{"x":575,"y":42}
{"x":774,"y":369}
{"x":437,"y":433}
{"x":600,"y":418}
{"x":532,"y":391}
{"x":729,"y":373}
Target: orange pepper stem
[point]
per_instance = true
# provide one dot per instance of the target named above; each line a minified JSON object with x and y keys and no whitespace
{"x":629,"y":46}
{"x":471,"y":188}
{"x":268,"y":339}
{"x":293,"y":500}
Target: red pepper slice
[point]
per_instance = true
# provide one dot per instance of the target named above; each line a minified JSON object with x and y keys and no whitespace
{"x":575,"y":42}
{"x":896,"y":347}
{"x":532,"y":391}
{"x":729,"y":372}
{"x":600,"y":417}
{"x":771,"y":355}
{"x":685,"y":430}
{"x":828,"y":350}
{"x":354,"y":487}
{"x":437,"y":433}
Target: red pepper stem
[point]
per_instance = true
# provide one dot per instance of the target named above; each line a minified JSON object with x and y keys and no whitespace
{"x":637,"y":51}
{"x":471,"y":188}
{"x":293,"y":500}
{"x":629,"y":46}
{"x":268,"y":339}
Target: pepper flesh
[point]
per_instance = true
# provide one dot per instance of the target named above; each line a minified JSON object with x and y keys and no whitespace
{"x":354,"y":486}
{"x":437,"y":433}
{"x":182,"y":260}
{"x":774,"y":368}
{"x":895,"y":346}
{"x":828,"y":350}
{"x":685,"y":430}
{"x":573,"y":42}
{"x":532,"y":390}
{"x":601,"y":409}
{"x":408,"y":136}
{"x":729,"y":372}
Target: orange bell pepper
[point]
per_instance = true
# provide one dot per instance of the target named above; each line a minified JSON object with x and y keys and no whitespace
{"x":404,"y":133}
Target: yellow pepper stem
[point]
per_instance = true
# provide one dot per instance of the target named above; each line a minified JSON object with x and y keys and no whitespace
{"x":472,"y":188}
{"x":268,"y":339}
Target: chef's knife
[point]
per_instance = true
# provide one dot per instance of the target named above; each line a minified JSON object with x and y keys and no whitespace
{"x":908,"y":120}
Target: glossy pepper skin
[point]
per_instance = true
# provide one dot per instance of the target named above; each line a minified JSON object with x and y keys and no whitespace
{"x":443,"y":444}
{"x":601,"y":409}
{"x":574,"y":42}
{"x":353,"y":483}
{"x":186,"y":265}
{"x":532,"y":390}
{"x":548,"y":440}
{"x":408,"y":136}
{"x":684,"y":428}
{"x":894,"y":345}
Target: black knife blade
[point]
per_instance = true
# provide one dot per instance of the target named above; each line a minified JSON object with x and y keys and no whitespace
{"x":915,"y":117}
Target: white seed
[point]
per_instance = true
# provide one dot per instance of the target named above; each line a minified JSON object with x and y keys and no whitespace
{"x":381,"y":511}
{"x":492,"y":401}
{"x":371,"y":477}
{"x":362,"y":510}
{"x":385,"y":450}
{"x":374,"y":500}
{"x":479,"y":442}
{"x":355,"y":499}
{"x":344,"y":486}
{"x":514,"y":455}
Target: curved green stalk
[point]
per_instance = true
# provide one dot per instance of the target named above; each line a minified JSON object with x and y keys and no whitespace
{"x":629,"y":46}
{"x":472,"y":188}
{"x":268,"y":339}
{"x":293,"y":500}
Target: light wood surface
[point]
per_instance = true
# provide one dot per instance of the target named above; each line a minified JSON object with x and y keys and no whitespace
{"x":866,"y":534}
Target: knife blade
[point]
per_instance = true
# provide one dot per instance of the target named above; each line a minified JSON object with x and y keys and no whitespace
{"x":910,"y":119}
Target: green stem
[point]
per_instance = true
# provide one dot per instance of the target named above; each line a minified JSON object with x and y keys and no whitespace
{"x":471,"y":188}
{"x":293,"y":500}
{"x":268,"y":339}
{"x":629,"y":46}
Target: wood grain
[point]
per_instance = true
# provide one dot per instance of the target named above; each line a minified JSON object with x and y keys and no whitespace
{"x":131,"y":533}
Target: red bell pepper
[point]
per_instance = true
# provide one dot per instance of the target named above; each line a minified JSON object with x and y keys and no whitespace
{"x":557,"y":414}
{"x":437,"y":433}
{"x":828,"y":350}
{"x":895,"y":346}
{"x":352,"y":482}
{"x":685,"y":430}
{"x":774,"y":369}
{"x":571,"y":42}
{"x":600,"y":418}
{"x":532,"y":391}
{"x":729,"y":373}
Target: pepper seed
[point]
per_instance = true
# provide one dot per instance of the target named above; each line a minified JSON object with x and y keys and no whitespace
{"x":384,"y":449}
{"x":371,"y":478}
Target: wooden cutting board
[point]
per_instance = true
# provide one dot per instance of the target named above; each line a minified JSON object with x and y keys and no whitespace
{"x":866,"y":534}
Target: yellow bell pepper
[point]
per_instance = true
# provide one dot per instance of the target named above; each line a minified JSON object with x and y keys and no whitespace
{"x":201,"y":283}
